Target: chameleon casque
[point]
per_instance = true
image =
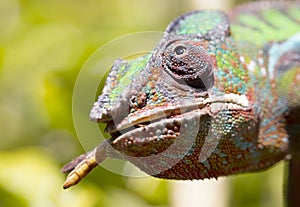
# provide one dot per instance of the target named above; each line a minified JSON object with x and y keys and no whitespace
{"x":219,"y":95}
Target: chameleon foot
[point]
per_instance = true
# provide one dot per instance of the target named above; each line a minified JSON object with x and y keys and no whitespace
{"x":80,"y":170}
{"x":82,"y":165}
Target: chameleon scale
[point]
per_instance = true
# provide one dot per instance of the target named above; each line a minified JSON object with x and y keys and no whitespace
{"x":214,"y":98}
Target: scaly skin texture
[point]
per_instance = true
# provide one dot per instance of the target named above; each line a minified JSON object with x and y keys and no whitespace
{"x":214,"y":98}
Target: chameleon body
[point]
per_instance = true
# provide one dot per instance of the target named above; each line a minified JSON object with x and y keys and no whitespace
{"x":219,"y":95}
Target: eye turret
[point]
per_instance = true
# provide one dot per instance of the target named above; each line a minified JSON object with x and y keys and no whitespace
{"x":188,"y":61}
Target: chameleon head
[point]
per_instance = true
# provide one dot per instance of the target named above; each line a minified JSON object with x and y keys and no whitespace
{"x":188,"y":112}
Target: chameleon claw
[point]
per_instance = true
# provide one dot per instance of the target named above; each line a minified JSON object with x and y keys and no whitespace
{"x":83,"y":164}
{"x":80,"y":171}
{"x":71,"y":180}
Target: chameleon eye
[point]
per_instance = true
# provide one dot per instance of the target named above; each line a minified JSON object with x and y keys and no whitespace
{"x":189,"y":63}
{"x":180,"y":50}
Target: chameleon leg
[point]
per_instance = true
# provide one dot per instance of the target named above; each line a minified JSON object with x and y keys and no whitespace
{"x":82,"y":165}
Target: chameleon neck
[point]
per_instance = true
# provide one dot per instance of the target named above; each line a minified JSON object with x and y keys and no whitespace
{"x":284,"y":65}
{"x":275,"y":73}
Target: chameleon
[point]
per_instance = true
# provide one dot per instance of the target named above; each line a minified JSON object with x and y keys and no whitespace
{"x":219,"y":95}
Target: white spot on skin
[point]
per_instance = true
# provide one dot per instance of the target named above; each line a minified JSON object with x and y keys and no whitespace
{"x":260,"y":61}
{"x":251,"y":66}
{"x":263,"y":71}
{"x":228,"y":101}
{"x":242,"y":59}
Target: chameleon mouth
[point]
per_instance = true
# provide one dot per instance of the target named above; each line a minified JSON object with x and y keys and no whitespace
{"x":209,"y":105}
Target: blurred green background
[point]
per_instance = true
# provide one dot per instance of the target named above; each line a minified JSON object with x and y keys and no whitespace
{"x":43,"y":45}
